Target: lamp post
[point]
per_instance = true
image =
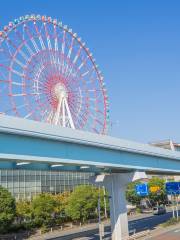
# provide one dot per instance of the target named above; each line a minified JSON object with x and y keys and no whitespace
{"x":105,"y":206}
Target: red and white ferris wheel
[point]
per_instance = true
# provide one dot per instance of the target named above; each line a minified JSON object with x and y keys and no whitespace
{"x":48,"y":74}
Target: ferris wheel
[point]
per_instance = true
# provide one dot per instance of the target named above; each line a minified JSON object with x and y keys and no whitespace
{"x":47,"y":74}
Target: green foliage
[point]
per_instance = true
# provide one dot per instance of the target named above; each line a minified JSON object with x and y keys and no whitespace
{"x":160,"y":196}
{"x":7,"y":210}
{"x":61,"y":204}
{"x":47,"y":210}
{"x":23,"y":210}
{"x":83,"y":202}
{"x":43,"y":209}
{"x":131,"y":195}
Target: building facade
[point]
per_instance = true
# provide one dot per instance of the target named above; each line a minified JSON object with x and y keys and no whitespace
{"x":24,"y":184}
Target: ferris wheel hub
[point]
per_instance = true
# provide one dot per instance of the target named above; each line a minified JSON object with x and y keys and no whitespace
{"x":60,"y":91}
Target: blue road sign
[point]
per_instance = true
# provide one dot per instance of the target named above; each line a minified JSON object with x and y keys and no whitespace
{"x":173,"y":187}
{"x":142,"y":189}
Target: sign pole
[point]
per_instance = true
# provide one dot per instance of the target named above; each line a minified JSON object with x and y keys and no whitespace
{"x":172,"y":205}
{"x":177,"y":207}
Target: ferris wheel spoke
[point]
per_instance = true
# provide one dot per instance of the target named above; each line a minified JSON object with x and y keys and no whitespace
{"x":49,"y":44}
{"x":56,"y":47}
{"x":83,"y":63}
{"x":70,"y":48}
{"x":24,"y":94}
{"x":92,"y":116}
{"x":31,"y":37}
{"x":82,"y":121}
{"x":19,"y":63}
{"x":41,"y":43}
{"x":75,"y":60}
{"x":39,"y":36}
{"x":9,"y":50}
{"x":18,"y":50}
{"x":69,"y":55}
{"x":99,"y":122}
{"x":32,"y":112}
{"x":20,"y":74}
{"x":21,"y":38}
{"x":6,"y":81}
{"x":16,"y":83}
{"x":63,"y":52}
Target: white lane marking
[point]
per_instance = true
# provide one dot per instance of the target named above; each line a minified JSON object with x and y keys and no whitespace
{"x":176,"y":231}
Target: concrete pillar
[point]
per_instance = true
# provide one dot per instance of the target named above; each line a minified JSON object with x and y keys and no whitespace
{"x":116,"y":185}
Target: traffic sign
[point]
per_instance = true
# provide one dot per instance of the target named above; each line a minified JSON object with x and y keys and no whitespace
{"x":142,"y":189}
{"x":173,"y":187}
{"x":154,"y":189}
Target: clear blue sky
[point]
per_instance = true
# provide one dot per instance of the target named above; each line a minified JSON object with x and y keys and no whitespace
{"x":137,"y":46}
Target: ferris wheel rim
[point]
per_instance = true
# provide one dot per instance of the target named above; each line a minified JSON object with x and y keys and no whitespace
{"x":7,"y":30}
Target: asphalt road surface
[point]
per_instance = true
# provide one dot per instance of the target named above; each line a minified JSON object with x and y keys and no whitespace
{"x":138,"y":224}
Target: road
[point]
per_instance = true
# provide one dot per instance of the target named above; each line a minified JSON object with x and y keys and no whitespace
{"x":140,"y":223}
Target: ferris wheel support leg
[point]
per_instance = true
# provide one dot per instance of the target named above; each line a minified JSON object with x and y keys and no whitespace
{"x":57,"y":113}
{"x":69,"y":114}
{"x":49,"y":117}
{"x":63,"y":114}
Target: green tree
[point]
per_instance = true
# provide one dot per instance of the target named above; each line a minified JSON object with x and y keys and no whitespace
{"x":159,"y":196}
{"x":61,"y":200}
{"x":43,"y":209}
{"x":131,"y":195}
{"x":7,"y":209}
{"x":23,"y":210}
{"x":82,"y":203}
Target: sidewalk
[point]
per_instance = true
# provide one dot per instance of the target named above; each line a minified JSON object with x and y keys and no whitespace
{"x":67,"y":232}
{"x":160,"y":230}
{"x":76,"y":229}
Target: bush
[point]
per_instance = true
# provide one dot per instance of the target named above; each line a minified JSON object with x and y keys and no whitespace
{"x":43,"y":209}
{"x":7,"y":210}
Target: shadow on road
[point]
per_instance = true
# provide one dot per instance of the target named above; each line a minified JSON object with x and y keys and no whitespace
{"x":150,"y":222}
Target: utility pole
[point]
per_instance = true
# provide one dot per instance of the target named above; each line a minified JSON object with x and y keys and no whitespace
{"x":99,"y":215}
